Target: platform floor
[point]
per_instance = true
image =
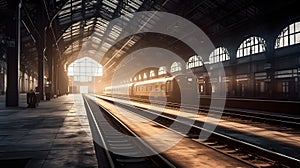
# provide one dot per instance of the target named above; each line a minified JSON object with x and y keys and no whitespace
{"x":22,"y":101}
{"x":55,"y":134}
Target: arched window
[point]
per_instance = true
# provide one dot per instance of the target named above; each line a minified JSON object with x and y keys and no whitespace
{"x":162,"y":70}
{"x":84,"y":69}
{"x":145,"y":76}
{"x":251,"y":46}
{"x":289,"y":36}
{"x":176,"y":66}
{"x":140,"y":77}
{"x":152,"y":73}
{"x":194,"y":61}
{"x":218,"y":55}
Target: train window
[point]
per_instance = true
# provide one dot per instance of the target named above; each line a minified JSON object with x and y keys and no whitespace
{"x":201,"y":88}
{"x":286,"y":73}
{"x":285,"y":87}
{"x":262,"y":87}
{"x":213,"y":88}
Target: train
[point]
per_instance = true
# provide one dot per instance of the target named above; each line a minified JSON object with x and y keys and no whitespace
{"x":170,"y":88}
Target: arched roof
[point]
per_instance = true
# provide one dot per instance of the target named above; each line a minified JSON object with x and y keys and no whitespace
{"x":73,"y":22}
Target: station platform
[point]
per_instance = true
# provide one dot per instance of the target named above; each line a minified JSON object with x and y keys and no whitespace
{"x":55,"y":134}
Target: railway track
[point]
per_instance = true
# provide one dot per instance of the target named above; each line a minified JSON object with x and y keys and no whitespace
{"x":115,"y":144}
{"x":244,"y":151}
{"x":237,"y":115}
{"x":273,"y":121}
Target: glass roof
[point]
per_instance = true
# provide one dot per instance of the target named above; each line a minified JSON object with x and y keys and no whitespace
{"x":101,"y":38}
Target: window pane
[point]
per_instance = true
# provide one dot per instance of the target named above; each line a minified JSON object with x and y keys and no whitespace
{"x":292,"y":28}
{"x":288,"y":36}
{"x":292,"y":39}
{"x":298,"y":38}
{"x":250,"y":46}
{"x":297,"y":27}
{"x":84,"y":69}
{"x":219,"y":54}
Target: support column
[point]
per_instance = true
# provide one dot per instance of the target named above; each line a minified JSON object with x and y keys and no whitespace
{"x":41,"y":63}
{"x":50,"y":57}
{"x":22,"y":83}
{"x":13,"y":58}
{"x":207,"y":87}
{"x":63,"y":80}
{"x":57,"y":76}
{"x":53,"y":59}
{"x":298,"y":86}
{"x":41,"y":71}
{"x":28,"y":83}
{"x":233,"y":82}
{"x":233,"y":61}
{"x":269,"y":66}
{"x":51,"y":73}
{"x":56,"y":80}
{"x":2,"y":80}
{"x":252,"y":88}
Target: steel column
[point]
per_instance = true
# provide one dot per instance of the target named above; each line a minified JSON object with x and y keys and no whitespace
{"x":13,"y":59}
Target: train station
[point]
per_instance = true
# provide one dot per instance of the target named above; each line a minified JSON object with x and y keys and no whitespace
{"x":149,"y":83}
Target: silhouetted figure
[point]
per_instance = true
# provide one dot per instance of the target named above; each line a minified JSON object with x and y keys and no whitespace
{"x":31,"y":99}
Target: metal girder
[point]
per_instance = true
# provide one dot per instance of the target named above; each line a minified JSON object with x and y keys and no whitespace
{"x":30,"y":24}
{"x":66,"y":26}
{"x":118,"y":9}
{"x":75,"y":39}
{"x":99,"y":14}
{"x":229,"y":13}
